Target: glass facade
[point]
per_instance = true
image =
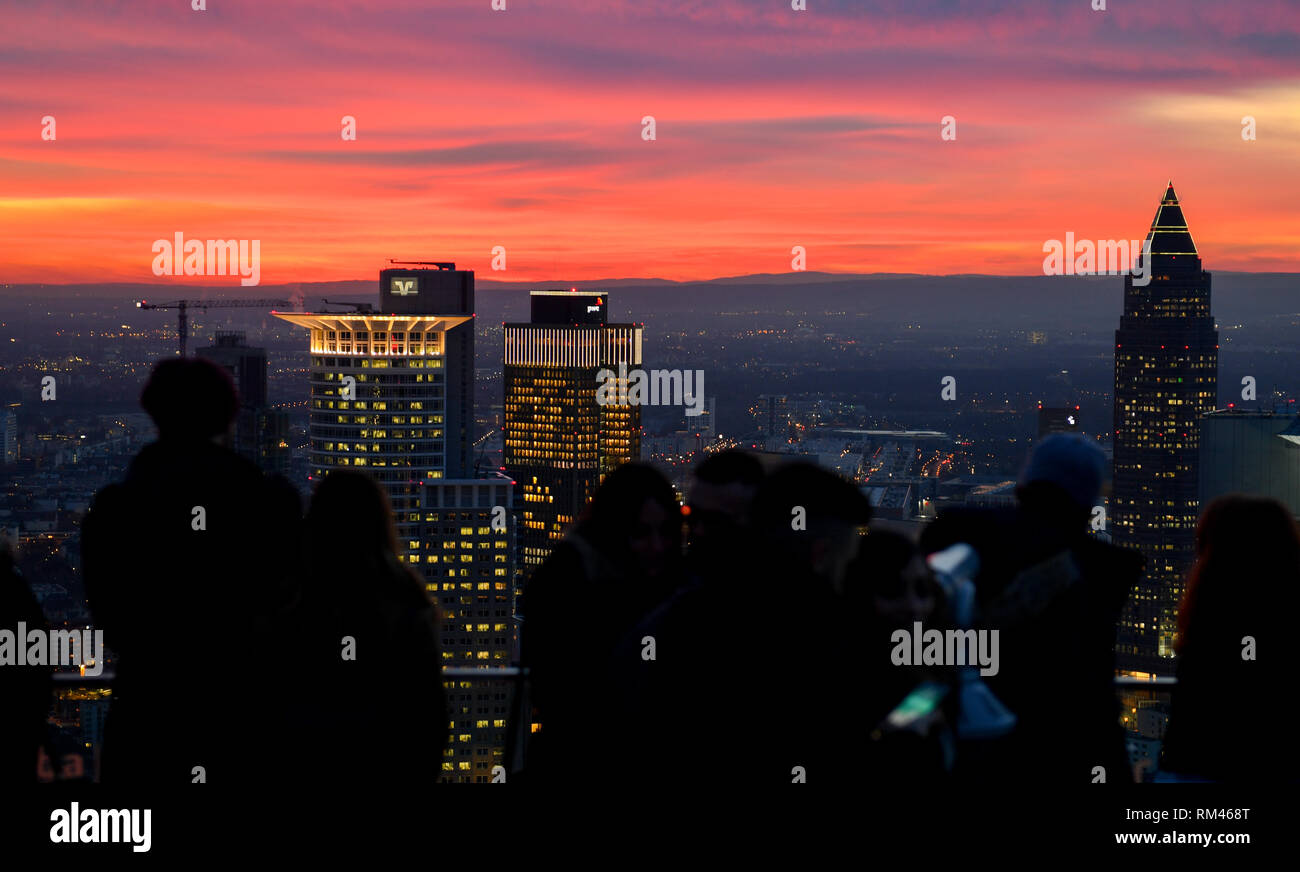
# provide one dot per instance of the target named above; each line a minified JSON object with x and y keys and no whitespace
{"x":1166,"y":377}
{"x":559,"y":442}
{"x":382,"y":399}
{"x":467,"y":561}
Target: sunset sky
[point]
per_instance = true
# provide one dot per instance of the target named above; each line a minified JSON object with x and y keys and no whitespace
{"x":523,"y":128}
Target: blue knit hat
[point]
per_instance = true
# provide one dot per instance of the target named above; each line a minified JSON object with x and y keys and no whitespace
{"x":1070,"y":462}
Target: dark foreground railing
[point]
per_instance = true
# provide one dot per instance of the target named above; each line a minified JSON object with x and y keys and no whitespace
{"x":518,"y":720}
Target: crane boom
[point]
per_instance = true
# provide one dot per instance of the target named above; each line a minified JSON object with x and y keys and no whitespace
{"x":182,"y":308}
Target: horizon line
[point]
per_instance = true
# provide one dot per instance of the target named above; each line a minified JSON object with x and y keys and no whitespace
{"x":574,"y":283}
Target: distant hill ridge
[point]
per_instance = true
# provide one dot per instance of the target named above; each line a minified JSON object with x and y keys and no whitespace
{"x":1038,"y":301}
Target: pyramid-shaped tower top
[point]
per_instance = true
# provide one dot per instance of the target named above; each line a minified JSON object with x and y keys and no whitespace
{"x":1169,"y":233}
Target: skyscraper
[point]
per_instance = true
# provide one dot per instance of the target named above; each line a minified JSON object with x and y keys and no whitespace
{"x":1057,"y":419}
{"x":559,"y":442}
{"x":1058,"y":411}
{"x":1254,"y":452}
{"x":11,"y":434}
{"x":392,"y":393}
{"x":1166,"y":377}
{"x":469,"y":566}
{"x":772,"y":415}
{"x":261,"y":431}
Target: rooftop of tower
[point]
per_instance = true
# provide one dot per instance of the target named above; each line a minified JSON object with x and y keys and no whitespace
{"x":1169,"y":233}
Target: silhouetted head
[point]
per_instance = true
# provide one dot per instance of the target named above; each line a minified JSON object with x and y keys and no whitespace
{"x":350,"y":522}
{"x":634,"y":519}
{"x":808,"y":518}
{"x":352,"y":556}
{"x":721,"y":503}
{"x":890,"y":582}
{"x":1247,"y":572}
{"x":190,"y":398}
{"x":1062,"y":480}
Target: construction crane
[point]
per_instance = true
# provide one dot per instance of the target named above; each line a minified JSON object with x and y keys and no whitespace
{"x":182,"y":308}
{"x":357,"y":308}
{"x":440,"y":264}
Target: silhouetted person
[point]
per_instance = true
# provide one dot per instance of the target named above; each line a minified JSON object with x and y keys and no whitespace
{"x":24,"y":690}
{"x":368,"y":706}
{"x":667,"y":708}
{"x":621,"y":559}
{"x":795,"y":663}
{"x":890,"y":587}
{"x":185,"y":563}
{"x":1230,"y":714}
{"x":720,"y":510}
{"x":1055,"y":594}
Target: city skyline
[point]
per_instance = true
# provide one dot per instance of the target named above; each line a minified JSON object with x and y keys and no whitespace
{"x":670,"y":395}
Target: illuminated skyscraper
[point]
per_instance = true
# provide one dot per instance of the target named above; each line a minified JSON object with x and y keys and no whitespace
{"x":469,"y":563}
{"x":392,"y":391}
{"x":1166,"y":377}
{"x":559,"y":442}
{"x":392,"y":395}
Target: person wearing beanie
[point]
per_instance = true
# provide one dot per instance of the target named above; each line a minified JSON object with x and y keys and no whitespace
{"x":1072,"y":463}
{"x":1054,"y":591}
